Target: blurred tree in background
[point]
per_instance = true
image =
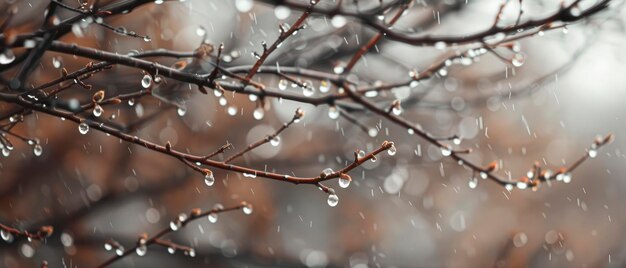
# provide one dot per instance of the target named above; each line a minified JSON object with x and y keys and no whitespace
{"x":361,"y":133}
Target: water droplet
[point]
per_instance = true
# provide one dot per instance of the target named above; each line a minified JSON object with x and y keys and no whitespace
{"x":473,"y":183}
{"x":209,"y":179}
{"x":258,"y":113}
{"x":247,"y":209}
{"x":520,"y":239}
{"x":308,"y":90}
{"x":567,"y":177}
{"x":200,"y":31}
{"x":483,"y":175}
{"x":37,"y":150}
{"x":392,"y":150}
{"x":592,"y":153}
{"x":338,"y":69}
{"x":324,"y":86}
{"x":83,"y":128}
{"x":57,"y":62}
{"x":108,"y":246}
{"x":333,"y":112}
{"x":171,"y":250}
{"x":141,"y":250}
{"x":508,"y":187}
{"x":119,"y":251}
{"x":232,"y":110}
{"x":327,"y":171}
{"x":146,"y":81}
{"x":282,"y":84}
{"x":445,"y":151}
{"x":249,"y":175}
{"x":344,"y":182}
{"x":212,"y":217}
{"x":440,"y":45}
{"x":97,"y":110}
{"x":522,"y":185}
{"x":131,"y":102}
{"x":360,"y":154}
{"x":456,"y":140}
{"x":6,"y":235}
{"x":275,"y":141}
{"x":192,"y":252}
{"x":397,"y":110}
{"x":7,"y":57}
{"x":175,"y":225}
{"x":147,"y":38}
{"x":333,"y":200}
{"x":181,"y":111}
{"x":518,"y":60}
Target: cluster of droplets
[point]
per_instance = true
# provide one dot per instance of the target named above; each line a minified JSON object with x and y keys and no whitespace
{"x":178,"y":222}
{"x":112,"y":245}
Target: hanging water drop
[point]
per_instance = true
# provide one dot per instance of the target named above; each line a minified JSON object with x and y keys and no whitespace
{"x":119,"y":251}
{"x":392,"y":150}
{"x":146,"y":81}
{"x":473,"y":183}
{"x":518,"y":60}
{"x":445,"y":151}
{"x":7,"y":57}
{"x":212,"y":217}
{"x":57,"y":62}
{"x":344,"y":181}
{"x":324,"y":86}
{"x":327,"y":172}
{"x":97,"y":110}
{"x":258,"y":113}
{"x":181,"y":111}
{"x":175,"y":225}
{"x":141,"y":250}
{"x":83,"y":128}
{"x":247,"y":209}
{"x":592,"y":153}
{"x":37,"y":150}
{"x":275,"y":141}
{"x":200,"y":31}
{"x":209,"y":179}
{"x":333,"y":112}
{"x":333,"y":200}
{"x":282,"y":84}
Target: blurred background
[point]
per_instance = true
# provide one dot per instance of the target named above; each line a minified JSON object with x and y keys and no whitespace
{"x":413,"y":209}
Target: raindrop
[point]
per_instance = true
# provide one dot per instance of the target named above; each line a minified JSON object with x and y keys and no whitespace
{"x":97,"y":110}
{"x":171,"y":250}
{"x":308,"y":90}
{"x":119,"y":251}
{"x":83,"y":128}
{"x":212,"y":217}
{"x":181,"y":111}
{"x":397,"y":110}
{"x":518,"y":60}
{"x":6,"y":235}
{"x":244,"y":5}
{"x":146,"y":81}
{"x":142,"y":250}
{"x":509,"y":187}
{"x":440,"y":45}
{"x":522,"y":185}
{"x":361,"y":154}
{"x":567,"y":177}
{"x":131,"y":102}
{"x":473,"y":183}
{"x":483,"y":175}
{"x":108,"y":246}
{"x":344,"y":182}
{"x":282,"y":84}
{"x":456,"y":140}
{"x":392,"y":150}
{"x":333,"y":112}
{"x":275,"y":141}
{"x":258,"y":113}
{"x":209,"y":179}
{"x":7,"y":57}
{"x":175,"y":225}
{"x":200,"y":31}
{"x":37,"y":150}
{"x":249,"y":175}
{"x":333,"y":200}
{"x":57,"y":62}
{"x":445,"y":151}
{"x":592,"y":153}
{"x":324,"y":86}
{"x":520,"y":239}
{"x":327,"y":171}
{"x":232,"y":110}
{"x":247,"y":209}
